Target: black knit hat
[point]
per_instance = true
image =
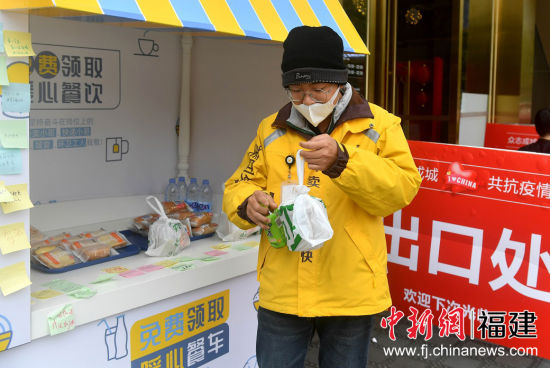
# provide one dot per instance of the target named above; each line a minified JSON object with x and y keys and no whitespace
{"x":312,"y":55}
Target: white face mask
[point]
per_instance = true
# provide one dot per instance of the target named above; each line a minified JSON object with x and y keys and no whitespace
{"x":317,"y":112}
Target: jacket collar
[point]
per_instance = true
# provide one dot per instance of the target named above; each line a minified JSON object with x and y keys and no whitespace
{"x":357,"y":108}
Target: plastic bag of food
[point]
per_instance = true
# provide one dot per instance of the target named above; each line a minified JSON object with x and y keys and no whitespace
{"x":228,"y":231}
{"x":304,"y":218}
{"x":167,"y":237}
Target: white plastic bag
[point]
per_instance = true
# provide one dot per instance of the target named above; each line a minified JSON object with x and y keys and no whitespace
{"x":167,"y":237}
{"x":228,"y":231}
{"x":304,"y":218}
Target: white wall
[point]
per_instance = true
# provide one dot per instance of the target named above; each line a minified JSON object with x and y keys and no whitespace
{"x":235,"y":84}
{"x":146,"y":116}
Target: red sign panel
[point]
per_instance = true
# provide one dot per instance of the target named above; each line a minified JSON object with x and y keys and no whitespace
{"x":509,"y":136}
{"x":475,"y":245}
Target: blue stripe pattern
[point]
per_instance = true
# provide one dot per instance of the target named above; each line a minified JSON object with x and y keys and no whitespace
{"x":326,"y":19}
{"x":248,"y":20}
{"x":121,"y":9}
{"x":287,"y":14}
{"x":192,"y":14}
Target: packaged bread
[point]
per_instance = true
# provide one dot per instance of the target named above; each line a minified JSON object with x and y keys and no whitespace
{"x":57,"y":258}
{"x":40,"y":243}
{"x":44,"y":249}
{"x":36,"y":235}
{"x":199,"y":219}
{"x":94,"y":234}
{"x":172,"y":207}
{"x":204,"y":229}
{"x":93,"y":252}
{"x":114,"y":239}
{"x":145,"y":221}
{"x":78,"y":244}
{"x":181,"y":215}
{"x":59,"y":237}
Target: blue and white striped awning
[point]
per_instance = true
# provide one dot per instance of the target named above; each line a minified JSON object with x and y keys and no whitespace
{"x":261,"y":19}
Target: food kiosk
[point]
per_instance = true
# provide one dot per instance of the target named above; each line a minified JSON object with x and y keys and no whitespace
{"x":124,"y":95}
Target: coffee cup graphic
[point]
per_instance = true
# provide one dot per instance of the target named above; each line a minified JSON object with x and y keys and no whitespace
{"x":115,"y":148}
{"x":5,"y":333}
{"x":147,"y":47}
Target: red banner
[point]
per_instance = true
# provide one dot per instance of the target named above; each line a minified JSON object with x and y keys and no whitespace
{"x":475,"y":245}
{"x":509,"y":136}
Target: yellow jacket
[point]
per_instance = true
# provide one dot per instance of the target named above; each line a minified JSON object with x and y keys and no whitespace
{"x":347,"y":276}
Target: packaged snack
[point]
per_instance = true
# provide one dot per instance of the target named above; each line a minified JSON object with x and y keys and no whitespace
{"x":172,"y":207}
{"x":59,"y":237}
{"x":93,"y":234}
{"x":93,"y":252}
{"x":145,"y":221}
{"x":57,"y":258}
{"x":40,"y":243}
{"x":200,"y":219}
{"x":114,"y":239}
{"x":44,"y":249}
{"x":36,"y":234}
{"x":78,"y":244}
{"x":204,"y":229}
{"x":181,"y":215}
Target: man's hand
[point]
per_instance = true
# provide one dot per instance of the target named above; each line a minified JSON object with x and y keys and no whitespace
{"x":258,"y":207}
{"x":322,"y":154}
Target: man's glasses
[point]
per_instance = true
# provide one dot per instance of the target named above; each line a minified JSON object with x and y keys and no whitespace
{"x":318,"y":95}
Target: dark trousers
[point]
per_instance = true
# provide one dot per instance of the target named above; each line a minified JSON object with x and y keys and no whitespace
{"x":282,"y":340}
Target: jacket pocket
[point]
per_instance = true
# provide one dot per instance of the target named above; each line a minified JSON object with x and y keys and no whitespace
{"x":369,"y":251}
{"x":262,"y":255}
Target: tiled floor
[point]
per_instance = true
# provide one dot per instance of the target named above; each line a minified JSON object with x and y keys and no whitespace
{"x":380,"y":340}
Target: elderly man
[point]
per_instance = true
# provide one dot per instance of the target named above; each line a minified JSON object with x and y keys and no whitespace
{"x":360,"y":165}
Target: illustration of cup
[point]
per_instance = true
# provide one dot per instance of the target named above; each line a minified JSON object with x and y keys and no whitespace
{"x":115,"y":148}
{"x":147,"y":46}
{"x":5,"y":333}
{"x":5,"y":338}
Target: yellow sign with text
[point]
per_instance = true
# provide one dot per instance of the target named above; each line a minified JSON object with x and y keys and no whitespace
{"x":154,"y":333}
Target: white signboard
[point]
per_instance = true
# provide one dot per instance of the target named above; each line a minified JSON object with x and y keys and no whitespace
{"x":105,"y":103}
{"x":211,"y":327}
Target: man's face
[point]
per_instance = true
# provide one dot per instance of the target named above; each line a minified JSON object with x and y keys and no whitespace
{"x":310,"y":93}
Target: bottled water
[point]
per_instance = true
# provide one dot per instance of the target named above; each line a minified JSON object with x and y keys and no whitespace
{"x":205,"y":197}
{"x":171,"y":192}
{"x":182,"y":189}
{"x":193,"y":192}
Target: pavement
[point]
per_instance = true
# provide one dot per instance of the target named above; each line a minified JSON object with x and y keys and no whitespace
{"x":380,"y":359}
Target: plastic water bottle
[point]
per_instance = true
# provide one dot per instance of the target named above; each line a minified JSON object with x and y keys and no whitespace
{"x":182,"y":189}
{"x":193,"y":192}
{"x":171,"y":192}
{"x":205,"y":197}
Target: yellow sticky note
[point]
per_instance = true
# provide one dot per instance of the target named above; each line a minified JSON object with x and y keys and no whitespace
{"x":166,"y":263}
{"x":13,"y":237}
{"x":21,"y":200}
{"x":5,"y":195}
{"x":18,"y":43}
{"x":221,"y":246}
{"x":251,"y":244}
{"x":46,"y":294}
{"x":13,"y":278}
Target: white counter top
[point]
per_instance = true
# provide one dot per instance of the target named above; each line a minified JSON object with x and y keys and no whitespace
{"x":122,"y":294}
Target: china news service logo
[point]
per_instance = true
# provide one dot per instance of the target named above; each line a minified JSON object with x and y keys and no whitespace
{"x":487,"y":325}
{"x":459,"y":179}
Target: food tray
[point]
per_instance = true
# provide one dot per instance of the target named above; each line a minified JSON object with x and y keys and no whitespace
{"x":138,"y":243}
